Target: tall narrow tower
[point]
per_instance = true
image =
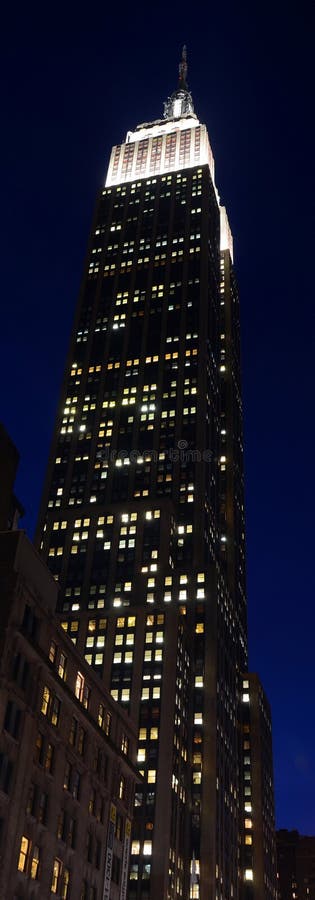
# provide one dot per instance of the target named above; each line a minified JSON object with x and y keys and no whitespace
{"x":142,"y":518}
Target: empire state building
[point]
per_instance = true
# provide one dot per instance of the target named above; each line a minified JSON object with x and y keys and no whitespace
{"x":142,"y":515}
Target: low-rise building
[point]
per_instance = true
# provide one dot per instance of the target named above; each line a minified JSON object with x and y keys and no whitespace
{"x":67,"y":750}
{"x":295,"y":865}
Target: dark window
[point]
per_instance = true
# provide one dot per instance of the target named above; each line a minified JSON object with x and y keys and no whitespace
{"x":55,"y":711}
{"x":12,"y":719}
{"x":75,"y":785}
{"x":49,"y":758}
{"x":67,"y":776}
{"x":42,"y":808}
{"x":98,"y":854}
{"x":89,"y":847}
{"x":73,"y":731}
{"x":116,"y":869}
{"x":6,"y":771}
{"x":81,"y":741}
{"x":60,"y":824}
{"x":30,"y":622}
{"x":119,"y":827}
{"x":20,"y":671}
{"x":30,"y":806}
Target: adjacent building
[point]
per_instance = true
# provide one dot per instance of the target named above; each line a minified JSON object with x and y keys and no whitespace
{"x":10,"y":508}
{"x":258,"y":840}
{"x":142,"y":515}
{"x":295,"y":866}
{"x":67,"y":750}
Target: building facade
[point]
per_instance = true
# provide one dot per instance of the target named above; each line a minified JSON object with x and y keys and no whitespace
{"x":67,"y":777}
{"x":142,"y":515}
{"x":10,"y":507}
{"x":258,"y":839}
{"x":295,"y":865}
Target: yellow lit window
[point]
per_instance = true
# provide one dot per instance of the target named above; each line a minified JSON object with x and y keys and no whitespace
{"x":52,"y":651}
{"x":46,"y":698}
{"x":198,"y":719}
{"x":55,"y":876}
{"x":23,"y":855}
{"x":62,"y":666}
{"x":34,"y":863}
{"x":135,"y":848}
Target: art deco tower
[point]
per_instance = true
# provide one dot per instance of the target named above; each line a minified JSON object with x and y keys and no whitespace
{"x":142,"y":518}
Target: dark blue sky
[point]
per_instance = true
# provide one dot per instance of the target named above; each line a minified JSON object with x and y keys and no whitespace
{"x":74,"y":80}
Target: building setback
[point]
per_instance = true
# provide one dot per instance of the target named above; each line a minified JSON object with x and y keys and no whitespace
{"x":66,"y":749}
{"x":142,"y":514}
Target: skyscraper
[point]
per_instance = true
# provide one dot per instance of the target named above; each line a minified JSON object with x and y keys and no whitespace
{"x":142,"y":516}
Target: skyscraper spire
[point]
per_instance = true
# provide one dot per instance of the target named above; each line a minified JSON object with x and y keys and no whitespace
{"x":180,"y":103}
{"x":182,"y":68}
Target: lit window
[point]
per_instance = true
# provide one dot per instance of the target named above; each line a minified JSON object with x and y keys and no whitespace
{"x":141,"y":754}
{"x":79,"y":686}
{"x":46,"y":698}
{"x":55,"y":876}
{"x":122,"y":787}
{"x":147,"y":848}
{"x":24,"y":851}
{"x":249,"y":875}
{"x":198,"y":718}
{"x":52,"y":651}
{"x":34,"y":863}
{"x":65,"y":884}
{"x":62,"y":666}
{"x":82,"y":691}
{"x":135,"y":848}
{"x":124,"y":743}
{"x":104,"y":719}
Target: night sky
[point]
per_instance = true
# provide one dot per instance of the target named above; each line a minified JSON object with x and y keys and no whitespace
{"x":74,"y":80}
